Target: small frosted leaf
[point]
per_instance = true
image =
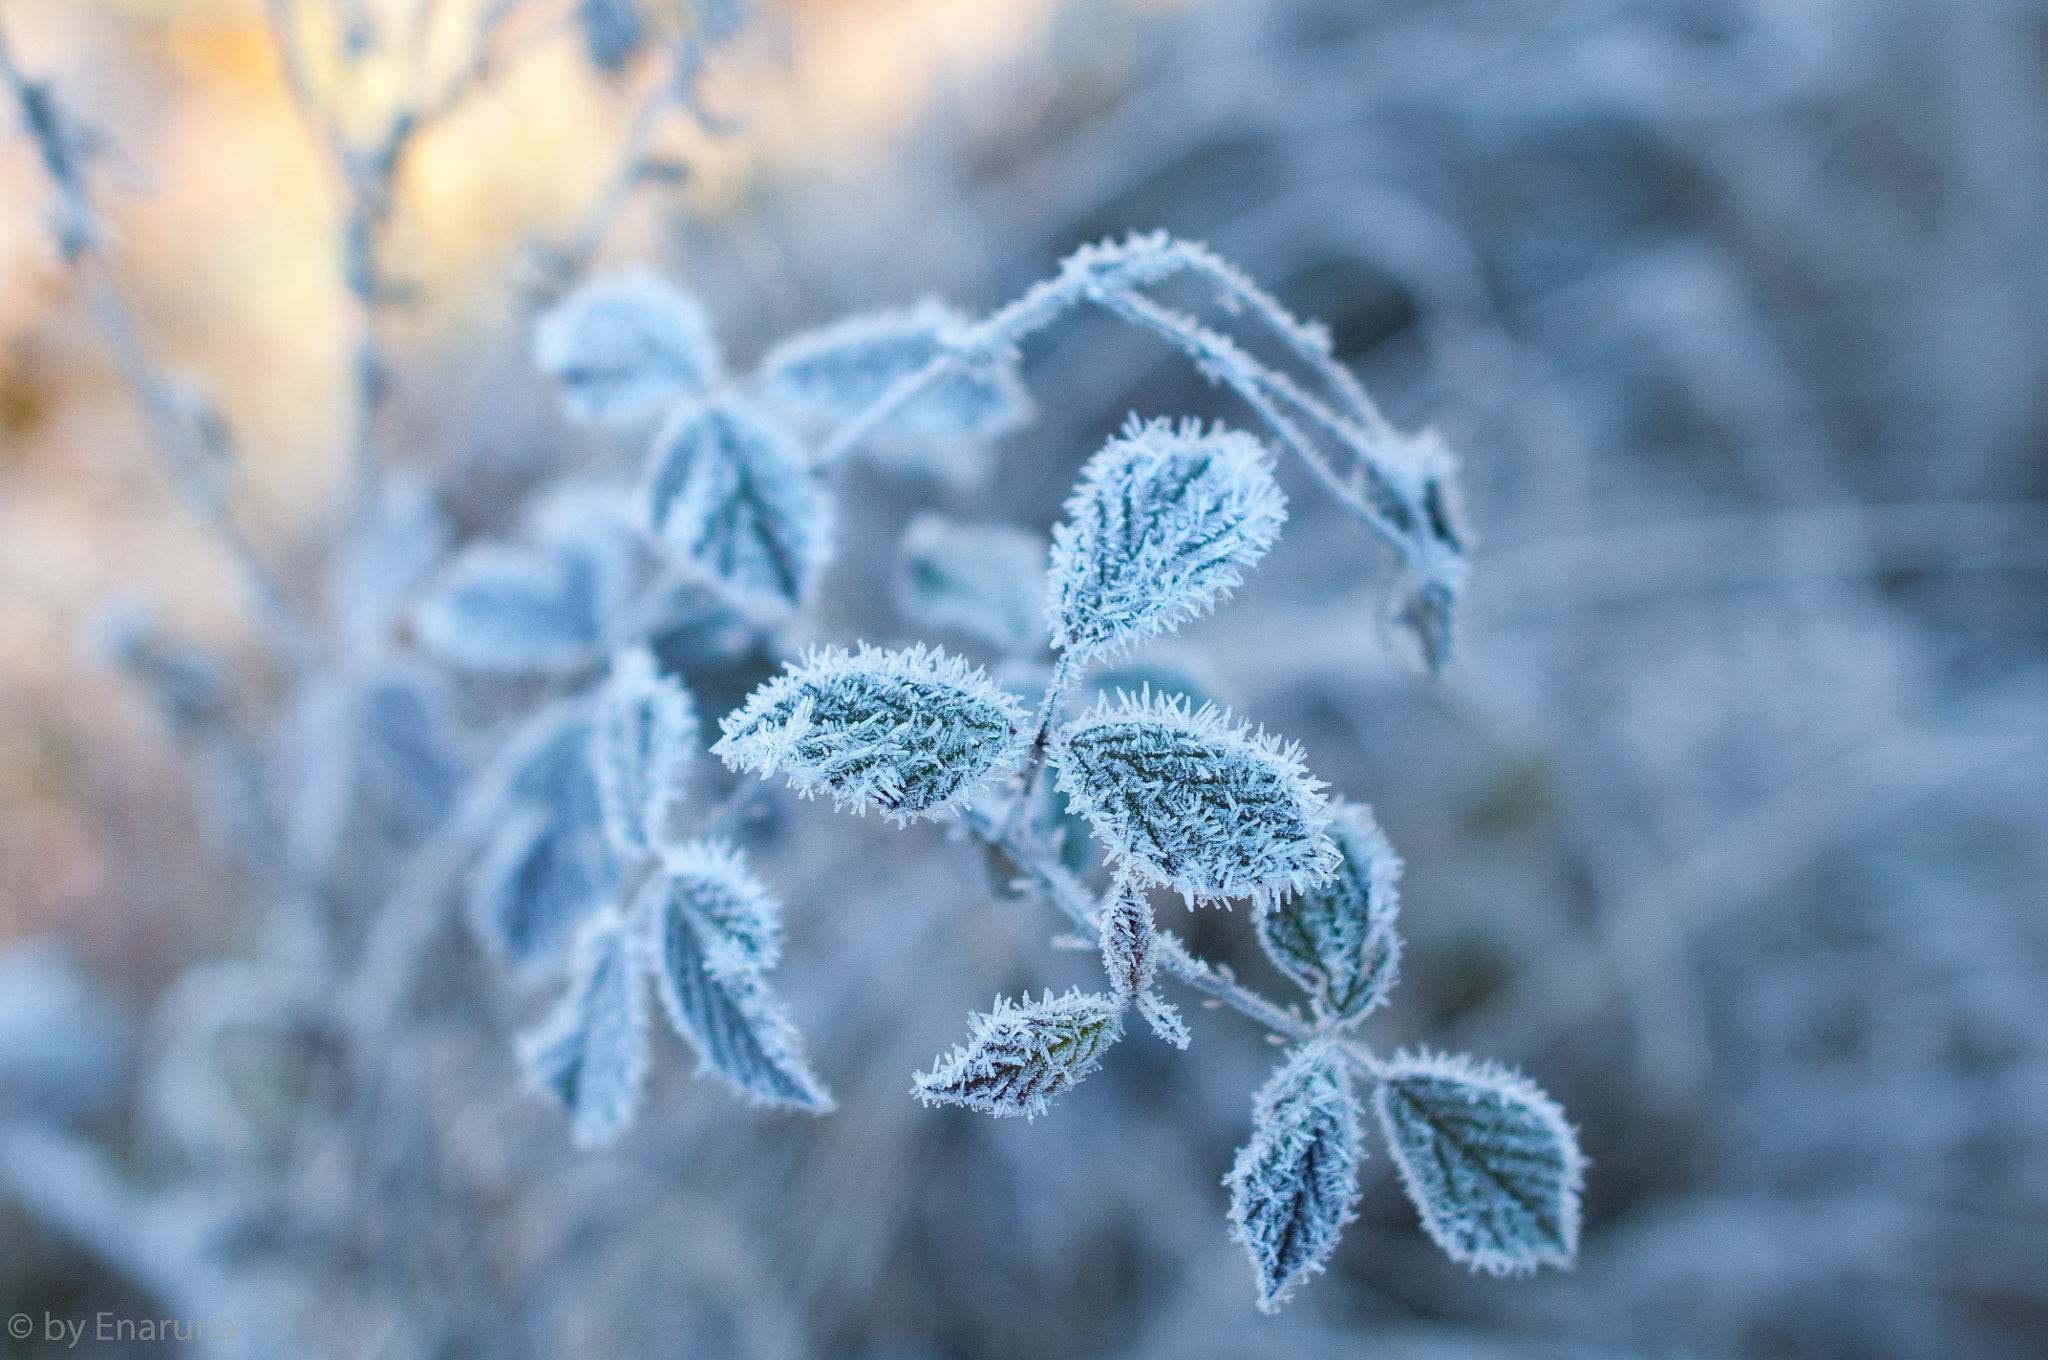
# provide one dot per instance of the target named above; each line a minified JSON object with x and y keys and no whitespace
{"x":410,"y":761}
{"x":1338,"y":941}
{"x":644,"y":735}
{"x":1295,"y":1184}
{"x":914,"y":733}
{"x":1130,"y":957}
{"x":984,"y":580}
{"x":624,"y":348}
{"x":713,"y":929}
{"x":547,"y":863}
{"x":744,"y":918}
{"x":836,"y":372}
{"x":1018,"y":1058}
{"x":387,"y":559}
{"x":591,"y":1052}
{"x":1156,"y":532}
{"x":1188,"y":802}
{"x":1487,"y":1159}
{"x":511,"y":610}
{"x":613,"y":32}
{"x":725,"y":487}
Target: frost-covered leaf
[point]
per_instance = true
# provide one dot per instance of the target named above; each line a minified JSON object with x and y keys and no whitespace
{"x":1294,"y":1185}
{"x":913,"y":733}
{"x":62,"y":1044}
{"x":387,"y":559}
{"x":1338,"y":941}
{"x":1017,"y":1058}
{"x":625,"y":347}
{"x":836,"y":372}
{"x":725,"y":487}
{"x":547,"y":863}
{"x":407,"y":745}
{"x":613,"y":32}
{"x":714,"y":929}
{"x":1188,"y":802}
{"x":1487,"y":1159}
{"x":1130,"y":957}
{"x":591,"y":1053}
{"x":511,"y":609}
{"x":1157,"y":530}
{"x":644,"y":734}
{"x":984,"y":580}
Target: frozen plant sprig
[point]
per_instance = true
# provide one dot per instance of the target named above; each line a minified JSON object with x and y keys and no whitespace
{"x":1182,"y":799}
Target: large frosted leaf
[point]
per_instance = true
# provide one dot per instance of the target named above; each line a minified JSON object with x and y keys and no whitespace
{"x":984,"y":580}
{"x":713,"y":930}
{"x":625,"y":348}
{"x":1338,"y":940}
{"x":1188,"y":802}
{"x":644,"y":734}
{"x":913,"y":733}
{"x":1017,"y":1058}
{"x":1486,"y":1157}
{"x":840,"y":370}
{"x":1157,"y":530}
{"x":1294,"y":1185}
{"x":547,"y":863}
{"x":727,"y":489}
{"x":591,"y":1053}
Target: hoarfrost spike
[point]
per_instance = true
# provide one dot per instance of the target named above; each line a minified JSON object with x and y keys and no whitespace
{"x":1017,"y":1058}
{"x":624,"y":348}
{"x":591,"y":1053}
{"x":913,"y":733}
{"x":1188,"y":802}
{"x":1156,"y":532}
{"x":1487,"y":1158}
{"x":1294,"y":1185}
{"x":1338,"y":941}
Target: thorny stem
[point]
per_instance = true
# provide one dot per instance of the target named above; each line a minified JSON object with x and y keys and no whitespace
{"x":1074,"y":901}
{"x":185,"y":427}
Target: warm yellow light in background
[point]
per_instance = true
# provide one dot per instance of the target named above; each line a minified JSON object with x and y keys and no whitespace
{"x":223,"y":225}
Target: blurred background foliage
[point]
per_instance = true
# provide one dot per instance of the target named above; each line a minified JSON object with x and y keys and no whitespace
{"x":1728,"y":824}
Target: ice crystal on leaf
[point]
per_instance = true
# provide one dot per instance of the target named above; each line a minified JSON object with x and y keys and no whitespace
{"x":1188,"y":802}
{"x":1338,"y":941}
{"x":591,"y":1053}
{"x":913,"y":733}
{"x":1487,"y":1158}
{"x":1017,"y":1058}
{"x":1293,"y":1186}
{"x":643,"y":735}
{"x":1157,"y":530}
{"x":713,"y":930}
{"x":838,"y":371}
{"x":984,"y":580}
{"x":626,"y":347}
{"x":726,"y":489}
